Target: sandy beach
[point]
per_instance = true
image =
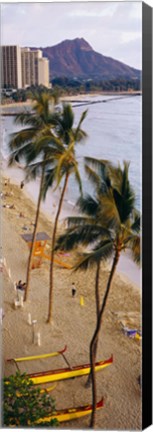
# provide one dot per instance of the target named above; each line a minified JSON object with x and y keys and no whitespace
{"x":73,"y":323}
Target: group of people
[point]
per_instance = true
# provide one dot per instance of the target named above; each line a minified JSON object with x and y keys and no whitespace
{"x":22,"y":285}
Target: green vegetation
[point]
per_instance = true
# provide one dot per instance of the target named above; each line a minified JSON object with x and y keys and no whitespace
{"x":64,"y":165}
{"x":47,"y":146}
{"x":110,"y":226}
{"x":22,"y":95}
{"x":64,"y":86}
{"x":35,"y":141}
{"x":24,"y":404}
{"x":74,"y":86}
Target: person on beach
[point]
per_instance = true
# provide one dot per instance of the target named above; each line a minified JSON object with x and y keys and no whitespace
{"x":21,"y":286}
{"x":22,"y":184}
{"x":73,"y":289}
{"x":1,"y":315}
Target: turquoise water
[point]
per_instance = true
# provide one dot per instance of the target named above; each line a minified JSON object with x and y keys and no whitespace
{"x":114,"y":131}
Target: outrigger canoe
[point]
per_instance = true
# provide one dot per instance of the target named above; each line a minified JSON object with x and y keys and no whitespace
{"x":71,"y":413}
{"x":37,"y":357}
{"x":65,"y":373}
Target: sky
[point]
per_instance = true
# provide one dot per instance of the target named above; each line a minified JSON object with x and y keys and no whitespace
{"x":111,"y":28}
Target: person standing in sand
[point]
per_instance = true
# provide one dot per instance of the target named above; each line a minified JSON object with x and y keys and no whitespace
{"x":73,"y":289}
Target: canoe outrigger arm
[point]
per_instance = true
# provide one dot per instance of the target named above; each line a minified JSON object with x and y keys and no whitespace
{"x":37,"y":357}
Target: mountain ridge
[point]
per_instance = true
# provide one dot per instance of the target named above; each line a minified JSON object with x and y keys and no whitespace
{"x":77,"y":59}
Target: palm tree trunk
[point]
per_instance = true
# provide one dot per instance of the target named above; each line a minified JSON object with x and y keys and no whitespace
{"x":94,"y":341}
{"x":52,"y":249}
{"x":34,"y":235}
{"x":97,"y":297}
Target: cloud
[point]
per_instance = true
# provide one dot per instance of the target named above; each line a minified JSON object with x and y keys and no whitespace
{"x":108,"y":27}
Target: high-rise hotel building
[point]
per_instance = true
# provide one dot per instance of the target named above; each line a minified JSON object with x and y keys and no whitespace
{"x":23,"y":67}
{"x":11,"y":66}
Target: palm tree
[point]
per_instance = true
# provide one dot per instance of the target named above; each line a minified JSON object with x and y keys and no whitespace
{"x":35,"y":141}
{"x":112,"y":226}
{"x":65,"y":165}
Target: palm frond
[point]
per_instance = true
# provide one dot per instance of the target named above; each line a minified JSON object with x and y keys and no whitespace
{"x":65,"y":162}
{"x":48,"y":143}
{"x":99,"y":173}
{"x":88,"y":205}
{"x":80,"y":134}
{"x":73,"y":221}
{"x":136,"y":221}
{"x":33,"y":171}
{"x":97,"y":164}
{"x":77,"y":176}
{"x":124,"y":204}
{"x":135,"y":247}
{"x":86,"y":235}
{"x":48,"y":182}
{"x":29,"y":119}
{"x":20,"y":138}
{"x":67,"y":116}
{"x":19,"y":154}
{"x":60,"y":163}
{"x":93,"y":176}
{"x":108,"y":211}
{"x":90,"y":259}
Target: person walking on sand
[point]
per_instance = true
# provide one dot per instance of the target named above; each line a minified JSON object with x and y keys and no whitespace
{"x":73,"y":289}
{"x":20,"y":288}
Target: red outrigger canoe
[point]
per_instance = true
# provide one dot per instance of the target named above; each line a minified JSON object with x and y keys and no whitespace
{"x":71,"y":413}
{"x":65,"y":373}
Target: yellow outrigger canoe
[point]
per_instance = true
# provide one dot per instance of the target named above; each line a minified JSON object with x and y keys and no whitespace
{"x":65,"y":373}
{"x":37,"y":357}
{"x":71,"y":413}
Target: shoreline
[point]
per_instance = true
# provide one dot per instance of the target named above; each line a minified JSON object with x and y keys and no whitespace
{"x":69,"y":210}
{"x":76,"y":97}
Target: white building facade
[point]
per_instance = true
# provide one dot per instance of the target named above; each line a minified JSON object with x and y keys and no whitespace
{"x":43,"y":72}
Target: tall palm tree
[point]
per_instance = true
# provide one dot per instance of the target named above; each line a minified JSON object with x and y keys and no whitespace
{"x":112,"y":226}
{"x":35,"y":141}
{"x":65,"y":165}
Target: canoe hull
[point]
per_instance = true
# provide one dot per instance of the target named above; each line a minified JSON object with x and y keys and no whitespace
{"x":71,"y":413}
{"x":61,"y":374}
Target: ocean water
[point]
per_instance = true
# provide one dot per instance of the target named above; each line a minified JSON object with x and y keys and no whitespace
{"x":114,"y":133}
{"x":114,"y":128}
